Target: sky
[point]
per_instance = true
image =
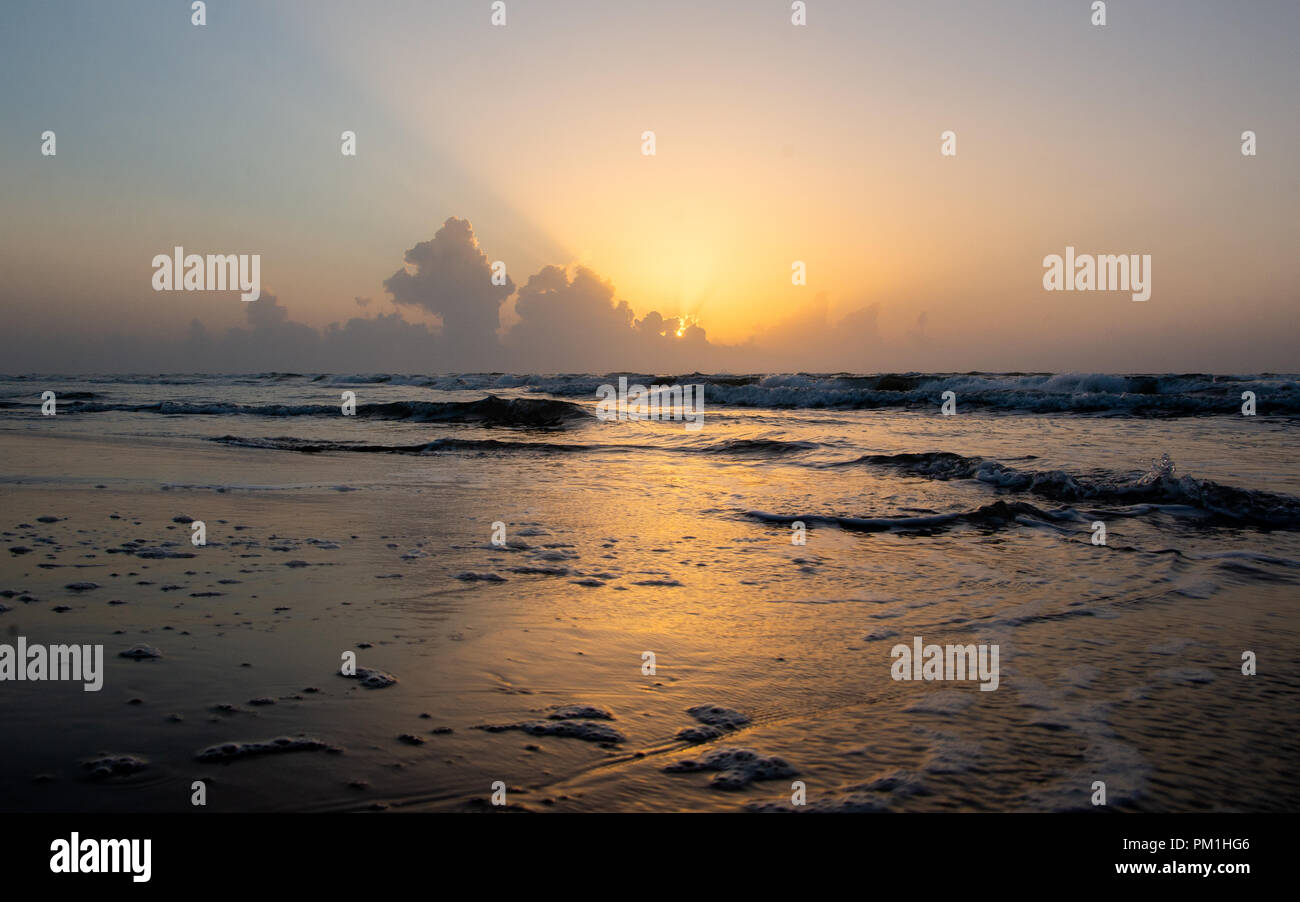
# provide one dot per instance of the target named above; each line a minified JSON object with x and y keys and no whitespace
{"x":774,"y":143}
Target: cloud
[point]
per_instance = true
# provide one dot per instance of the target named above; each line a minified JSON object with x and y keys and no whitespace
{"x":274,"y":342}
{"x":566,"y":319}
{"x":451,"y":277}
{"x":574,"y":323}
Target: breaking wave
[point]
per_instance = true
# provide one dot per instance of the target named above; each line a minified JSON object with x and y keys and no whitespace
{"x":1144,"y":395}
{"x":492,"y":411}
{"x":996,"y":514}
{"x":1158,"y":486}
{"x":438,"y":446}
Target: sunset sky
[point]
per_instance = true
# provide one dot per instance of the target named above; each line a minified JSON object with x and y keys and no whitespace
{"x":774,"y":144}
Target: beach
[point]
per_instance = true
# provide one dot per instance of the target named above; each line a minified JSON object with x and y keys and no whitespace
{"x":521,"y":664}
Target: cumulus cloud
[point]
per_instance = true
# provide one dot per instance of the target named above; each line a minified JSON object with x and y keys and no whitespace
{"x":451,"y":277}
{"x":573,"y":321}
{"x":567,"y":319}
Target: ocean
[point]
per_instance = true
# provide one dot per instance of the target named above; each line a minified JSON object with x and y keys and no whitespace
{"x":558,"y":612}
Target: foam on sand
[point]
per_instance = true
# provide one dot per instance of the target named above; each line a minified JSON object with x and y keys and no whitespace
{"x":716,"y":722}
{"x":584,"y":712}
{"x":567,"y":729}
{"x":736,"y":768}
{"x":371,"y":678}
{"x":718,"y":716}
{"x":234,"y":751}
{"x":114,"y":766}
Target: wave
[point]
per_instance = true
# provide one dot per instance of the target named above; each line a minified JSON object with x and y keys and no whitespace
{"x":994,"y":515}
{"x":491,"y":411}
{"x":1187,"y":394}
{"x":25,"y":400}
{"x":755,"y":447}
{"x":438,"y":446}
{"x":762,"y":448}
{"x":1077,"y":393}
{"x":1158,"y":486}
{"x":1154,"y":395}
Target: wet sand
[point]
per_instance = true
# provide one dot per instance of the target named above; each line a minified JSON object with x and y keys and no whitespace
{"x":491,"y":647}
